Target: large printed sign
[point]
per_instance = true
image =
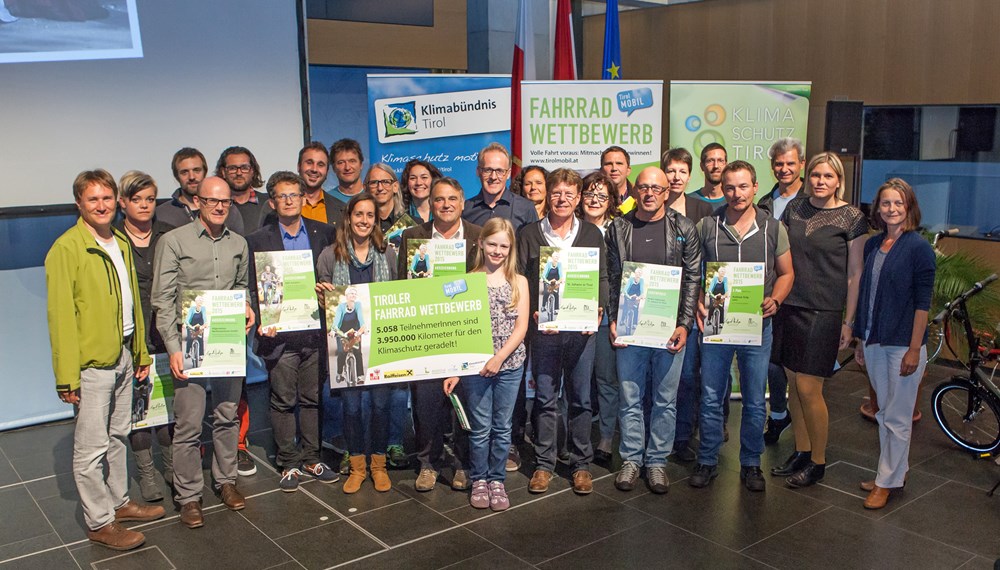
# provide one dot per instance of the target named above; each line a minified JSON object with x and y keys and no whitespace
{"x":568,"y":287}
{"x":443,"y":119}
{"x":215,"y":338}
{"x":566,"y":124}
{"x":153,"y":400}
{"x":286,"y":286}
{"x":746,"y":117}
{"x":401,"y":331}
{"x":647,"y":306}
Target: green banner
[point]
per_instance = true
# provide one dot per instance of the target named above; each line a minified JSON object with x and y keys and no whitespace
{"x":647,"y":306}
{"x":153,"y":400}
{"x":286,"y":290}
{"x":746,"y":117}
{"x":401,"y":331}
{"x":733,"y":295}
{"x":568,"y":287}
{"x":435,"y":258}
{"x":215,"y":338}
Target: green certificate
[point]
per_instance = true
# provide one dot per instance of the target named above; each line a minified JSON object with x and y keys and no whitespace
{"x":215,"y":340}
{"x":153,"y":400}
{"x":286,"y":290}
{"x":733,"y":295}
{"x":401,"y":331}
{"x":435,"y":258}
{"x":568,"y":282}
{"x":647,"y":306}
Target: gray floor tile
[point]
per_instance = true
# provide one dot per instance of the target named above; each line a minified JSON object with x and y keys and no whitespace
{"x":47,"y":560}
{"x":145,"y":557}
{"x":279,"y":514}
{"x":849,"y":540}
{"x":22,"y":519}
{"x":401,"y":522}
{"x":450,"y":548}
{"x":328,"y":545}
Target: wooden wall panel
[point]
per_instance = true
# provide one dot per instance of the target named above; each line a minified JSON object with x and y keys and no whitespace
{"x":877,"y":51}
{"x":443,"y":46}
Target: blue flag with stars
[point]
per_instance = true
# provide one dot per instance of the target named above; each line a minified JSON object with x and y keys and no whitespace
{"x":612,"y":67}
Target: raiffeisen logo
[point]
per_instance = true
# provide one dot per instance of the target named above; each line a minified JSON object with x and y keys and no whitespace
{"x":400,"y":119}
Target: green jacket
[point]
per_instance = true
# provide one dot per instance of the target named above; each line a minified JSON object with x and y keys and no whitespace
{"x":85,"y":306}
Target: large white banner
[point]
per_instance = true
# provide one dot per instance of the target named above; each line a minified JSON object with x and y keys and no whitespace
{"x":568,"y":123}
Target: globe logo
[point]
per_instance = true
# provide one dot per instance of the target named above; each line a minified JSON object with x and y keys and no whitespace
{"x":400,"y":119}
{"x":714,"y":116}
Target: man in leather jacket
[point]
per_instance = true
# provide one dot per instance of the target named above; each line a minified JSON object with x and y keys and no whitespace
{"x":655,"y":234}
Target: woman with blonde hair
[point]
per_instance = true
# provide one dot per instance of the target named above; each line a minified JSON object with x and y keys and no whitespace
{"x":827,"y":237}
{"x":490,"y":395}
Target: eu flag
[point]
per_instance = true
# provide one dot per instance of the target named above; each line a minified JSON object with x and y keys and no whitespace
{"x":612,"y":67}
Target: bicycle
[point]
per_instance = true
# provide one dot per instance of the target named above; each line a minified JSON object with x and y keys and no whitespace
{"x":631,"y":315}
{"x":967,"y":406}
{"x":349,"y":372}
{"x":551,"y":290}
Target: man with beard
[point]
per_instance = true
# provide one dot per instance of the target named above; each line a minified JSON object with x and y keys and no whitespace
{"x":239,"y":168}
{"x":189,"y":168}
{"x":314,"y":167}
{"x":713,"y":160}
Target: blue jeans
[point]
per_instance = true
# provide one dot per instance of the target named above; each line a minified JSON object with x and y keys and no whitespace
{"x":399,"y":409}
{"x":689,"y":388}
{"x":355,"y":404}
{"x":658,"y":371}
{"x":563,"y":362}
{"x":777,"y":384}
{"x":606,"y":378}
{"x":715,"y":363}
{"x":490,"y":405}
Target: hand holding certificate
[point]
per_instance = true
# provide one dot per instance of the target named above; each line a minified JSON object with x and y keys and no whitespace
{"x":647,"y":306}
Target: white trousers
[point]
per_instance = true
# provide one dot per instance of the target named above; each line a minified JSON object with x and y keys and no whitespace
{"x":896,"y":397}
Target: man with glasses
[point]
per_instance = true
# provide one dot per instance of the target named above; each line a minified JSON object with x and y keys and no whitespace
{"x":713,"y":160}
{"x":431,"y":408}
{"x":189,"y":168}
{"x":740,"y":232}
{"x":239,"y":168}
{"x":652,"y":233}
{"x":561,"y":361}
{"x":493,"y":199}
{"x":202,"y":255}
{"x":293,"y":359}
{"x":347,"y":161}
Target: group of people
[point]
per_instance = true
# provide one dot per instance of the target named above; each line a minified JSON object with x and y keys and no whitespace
{"x":115,"y":289}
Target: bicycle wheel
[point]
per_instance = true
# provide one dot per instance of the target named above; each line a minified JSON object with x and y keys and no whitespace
{"x":968,"y":415}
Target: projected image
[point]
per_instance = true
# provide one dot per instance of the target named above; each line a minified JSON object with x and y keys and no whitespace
{"x":59,"y":30}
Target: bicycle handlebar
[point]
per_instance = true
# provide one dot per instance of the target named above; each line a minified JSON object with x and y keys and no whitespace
{"x":964,"y":297}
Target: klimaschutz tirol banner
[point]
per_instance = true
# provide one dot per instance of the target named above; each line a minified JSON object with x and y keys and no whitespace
{"x":566,"y":124}
{"x":746,"y":117}
{"x":442,"y":119}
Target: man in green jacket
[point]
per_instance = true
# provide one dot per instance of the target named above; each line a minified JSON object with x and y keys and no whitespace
{"x":98,"y":346}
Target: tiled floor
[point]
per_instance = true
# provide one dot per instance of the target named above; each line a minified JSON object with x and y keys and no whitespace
{"x":942,"y":520}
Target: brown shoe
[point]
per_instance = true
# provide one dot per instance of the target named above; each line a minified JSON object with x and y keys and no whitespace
{"x":539,"y":481}
{"x":380,"y":477}
{"x":232,"y":498}
{"x":583,"y":482}
{"x":191,"y":516}
{"x":460,"y":482}
{"x":877,"y":498}
{"x":869,"y":485}
{"x":116,"y":537}
{"x":133,"y":511}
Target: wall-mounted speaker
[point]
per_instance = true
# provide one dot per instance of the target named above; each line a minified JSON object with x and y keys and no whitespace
{"x":843,"y":126}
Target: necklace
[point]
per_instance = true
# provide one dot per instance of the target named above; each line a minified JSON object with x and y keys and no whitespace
{"x":137,"y":236}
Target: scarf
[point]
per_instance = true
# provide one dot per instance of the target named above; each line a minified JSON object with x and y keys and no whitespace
{"x":342,"y":273}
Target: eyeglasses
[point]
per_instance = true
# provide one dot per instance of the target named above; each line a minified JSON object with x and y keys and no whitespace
{"x":289,"y":197}
{"x":601,"y":198}
{"x":373,"y":184}
{"x":491,"y":172}
{"x":213,"y":202}
{"x":234,"y":168}
{"x":654,"y":188}
{"x":563,"y":195}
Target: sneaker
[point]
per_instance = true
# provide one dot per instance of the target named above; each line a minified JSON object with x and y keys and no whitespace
{"x":703,"y":475}
{"x":460,"y":481}
{"x":513,"y":459}
{"x":480,"y":497}
{"x":322,"y":472}
{"x":426,"y":480}
{"x":752,"y":477}
{"x":289,"y":480}
{"x":683,"y":452}
{"x":498,"y":497}
{"x":773,"y":429}
{"x":657,"y":478}
{"x":345,"y":464}
{"x":627,"y":477}
{"x":244,"y":463}
{"x":397,"y":457}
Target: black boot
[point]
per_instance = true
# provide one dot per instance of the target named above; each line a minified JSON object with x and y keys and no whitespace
{"x":809,"y":475}
{"x":793,"y":464}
